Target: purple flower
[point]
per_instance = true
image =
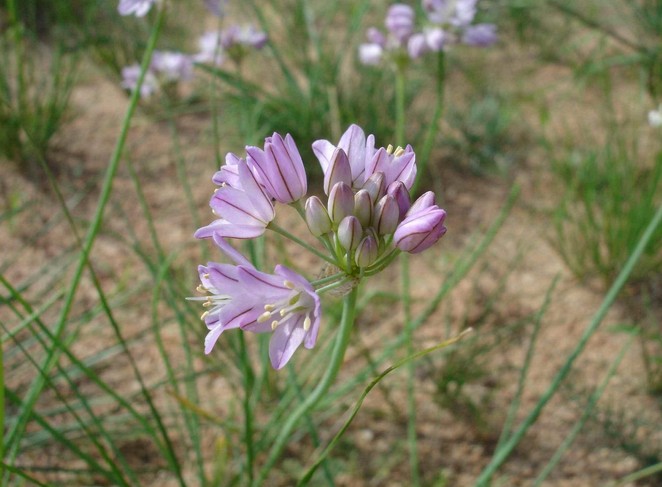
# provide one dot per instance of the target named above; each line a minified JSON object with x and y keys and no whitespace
{"x":173,"y":66}
{"x":422,"y":227}
{"x":358,"y":148}
{"x":244,"y":209}
{"x":247,"y":36}
{"x":130,"y":76}
{"x":396,"y":165}
{"x":215,"y":6}
{"x":400,"y":21}
{"x":139,"y":8}
{"x":280,"y":168}
{"x":240,"y":296}
{"x":370,"y":54}
{"x":210,"y":49}
{"x":480,"y":35}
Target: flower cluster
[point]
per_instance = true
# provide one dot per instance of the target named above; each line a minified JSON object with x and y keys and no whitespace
{"x":448,"y":22}
{"x":169,"y":67}
{"x":363,"y":222}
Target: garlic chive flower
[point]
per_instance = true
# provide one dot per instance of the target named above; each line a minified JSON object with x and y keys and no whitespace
{"x":362,"y":219}
{"x":139,"y":8}
{"x":239,"y":296}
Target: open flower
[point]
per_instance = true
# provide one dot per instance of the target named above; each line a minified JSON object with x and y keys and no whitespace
{"x":244,"y":209}
{"x":139,"y":8}
{"x":240,"y":296}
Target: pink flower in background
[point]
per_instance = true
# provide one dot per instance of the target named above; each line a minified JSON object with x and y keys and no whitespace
{"x":130,"y":75}
{"x":139,"y":8}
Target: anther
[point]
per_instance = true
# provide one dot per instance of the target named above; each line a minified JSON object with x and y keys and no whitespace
{"x":204,"y":315}
{"x":399,"y":151}
{"x":269,"y":307}
{"x":206,"y":276}
{"x":264,"y":317}
{"x":389,"y":149}
{"x":288,"y":284}
{"x":201,"y":289}
{"x":274,"y":324}
{"x":306,"y":323}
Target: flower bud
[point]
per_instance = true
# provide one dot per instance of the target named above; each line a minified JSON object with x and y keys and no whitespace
{"x":420,"y":230}
{"x":374,"y":185}
{"x":317,"y":217}
{"x":424,"y":201}
{"x":338,"y":171}
{"x":350,"y":232}
{"x":341,"y":202}
{"x":398,"y":190}
{"x":363,"y":207}
{"x":386,"y":216}
{"x":375,"y":36}
{"x":366,"y":252}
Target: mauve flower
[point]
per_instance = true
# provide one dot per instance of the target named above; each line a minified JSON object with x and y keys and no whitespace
{"x":243,"y":36}
{"x":280,"y":168}
{"x":480,"y":35}
{"x":400,"y":21}
{"x":215,"y":6}
{"x":139,"y":8}
{"x":465,"y":11}
{"x":210,"y":49}
{"x":173,"y":66}
{"x":240,"y":296}
{"x":245,"y":210}
{"x":422,"y":227}
{"x":396,"y":165}
{"x":370,"y":54}
{"x":130,"y":75}
{"x":358,"y":148}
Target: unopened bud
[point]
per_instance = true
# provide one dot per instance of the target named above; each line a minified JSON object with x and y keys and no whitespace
{"x":366,"y":252}
{"x":338,"y":171}
{"x":398,"y":190}
{"x":350,"y":233}
{"x":386,"y":217}
{"x":374,"y":185}
{"x":317,"y":217}
{"x":341,"y":202}
{"x":363,"y":207}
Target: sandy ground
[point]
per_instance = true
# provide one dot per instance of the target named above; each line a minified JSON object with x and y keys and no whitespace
{"x":521,"y":265}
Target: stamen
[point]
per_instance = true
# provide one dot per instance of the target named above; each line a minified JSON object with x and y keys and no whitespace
{"x":207,"y":304}
{"x":389,"y":149}
{"x":269,"y":307}
{"x":204,"y":315}
{"x":399,"y":151}
{"x":201,"y":289}
{"x":306,"y":323}
{"x":288,"y":284}
{"x":206,"y":276}
{"x":264,"y":317}
{"x":274,"y":324}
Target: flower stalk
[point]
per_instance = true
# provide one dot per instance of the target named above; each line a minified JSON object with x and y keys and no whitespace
{"x":337,"y":356}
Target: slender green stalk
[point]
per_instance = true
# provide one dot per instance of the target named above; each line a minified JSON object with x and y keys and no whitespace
{"x":37,"y":386}
{"x":286,"y":234}
{"x":515,"y":403}
{"x":400,"y":106}
{"x":411,"y":370}
{"x":2,"y":401}
{"x":638,"y":475}
{"x":502,"y":454}
{"x":337,"y":356}
{"x":586,"y":414}
{"x":424,"y":155}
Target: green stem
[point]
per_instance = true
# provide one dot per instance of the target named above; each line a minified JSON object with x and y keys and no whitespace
{"x":411,"y":400}
{"x":35,"y":389}
{"x":2,"y":402}
{"x":502,"y":454}
{"x":399,"y":106}
{"x":286,"y":234}
{"x":333,"y":285}
{"x":337,"y":356}
{"x":424,"y":155}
